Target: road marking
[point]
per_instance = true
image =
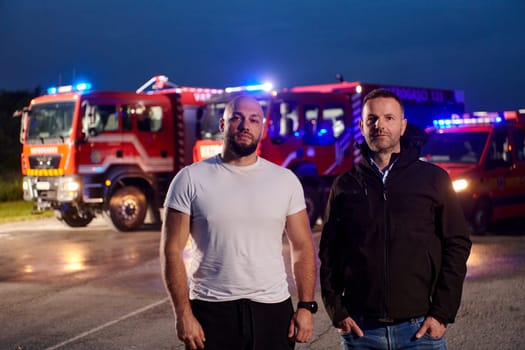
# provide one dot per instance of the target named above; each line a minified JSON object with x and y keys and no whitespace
{"x":110,"y":323}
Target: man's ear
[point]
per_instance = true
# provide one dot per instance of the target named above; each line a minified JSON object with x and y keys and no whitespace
{"x":404,"y":127}
{"x":221,"y":124}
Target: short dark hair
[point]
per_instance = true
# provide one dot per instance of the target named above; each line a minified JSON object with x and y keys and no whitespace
{"x":382,"y":93}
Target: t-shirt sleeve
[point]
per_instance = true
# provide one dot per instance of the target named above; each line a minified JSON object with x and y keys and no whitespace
{"x":297,"y":202}
{"x":180,"y":192}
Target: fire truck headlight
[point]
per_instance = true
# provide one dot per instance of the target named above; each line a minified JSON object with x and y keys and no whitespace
{"x":72,"y":186}
{"x":460,"y":185}
{"x":68,"y":189}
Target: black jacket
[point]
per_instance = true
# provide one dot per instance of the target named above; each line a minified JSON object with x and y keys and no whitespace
{"x":396,"y":250}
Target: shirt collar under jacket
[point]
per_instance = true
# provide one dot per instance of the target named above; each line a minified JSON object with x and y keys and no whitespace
{"x":387,"y":171}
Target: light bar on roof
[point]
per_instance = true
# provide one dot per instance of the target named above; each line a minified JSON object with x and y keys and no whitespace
{"x":79,"y":87}
{"x":82,"y":86}
{"x":250,"y":88}
{"x":450,"y":123}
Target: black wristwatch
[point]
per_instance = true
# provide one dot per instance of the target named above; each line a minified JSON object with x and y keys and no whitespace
{"x":308,"y":305}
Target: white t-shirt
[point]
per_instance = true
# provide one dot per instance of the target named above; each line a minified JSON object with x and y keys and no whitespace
{"x":238,"y":214}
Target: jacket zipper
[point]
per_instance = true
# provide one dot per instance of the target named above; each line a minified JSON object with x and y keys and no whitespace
{"x":386,"y":238}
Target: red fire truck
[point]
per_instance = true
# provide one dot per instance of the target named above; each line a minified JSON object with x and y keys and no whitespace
{"x":114,"y":153}
{"x":484,"y":154}
{"x":312,"y":129}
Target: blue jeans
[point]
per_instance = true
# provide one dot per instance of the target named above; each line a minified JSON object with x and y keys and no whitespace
{"x":379,"y":336}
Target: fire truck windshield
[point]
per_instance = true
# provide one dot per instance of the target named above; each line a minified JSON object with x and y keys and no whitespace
{"x":50,"y":121}
{"x":456,"y":147}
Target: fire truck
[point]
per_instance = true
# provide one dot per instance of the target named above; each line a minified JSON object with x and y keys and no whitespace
{"x":421,"y":105}
{"x":484,"y":153}
{"x":312,"y":129}
{"x":87,"y":153}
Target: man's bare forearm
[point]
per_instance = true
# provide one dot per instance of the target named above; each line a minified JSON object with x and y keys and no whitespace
{"x":304,"y":270}
{"x":175,"y":280}
{"x":175,"y":233}
{"x":302,"y":255}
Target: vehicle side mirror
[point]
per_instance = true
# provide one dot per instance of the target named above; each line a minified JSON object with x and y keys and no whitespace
{"x":24,"y":116}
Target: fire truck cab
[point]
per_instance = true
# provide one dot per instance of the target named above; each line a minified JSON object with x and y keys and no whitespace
{"x":113,"y":153}
{"x":484,"y":154}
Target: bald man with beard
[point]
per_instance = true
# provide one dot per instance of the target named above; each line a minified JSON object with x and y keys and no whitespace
{"x":235,"y":207}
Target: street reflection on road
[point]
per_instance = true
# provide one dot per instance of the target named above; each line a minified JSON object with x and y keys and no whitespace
{"x":474,"y":260}
{"x":73,"y":258}
{"x":69,"y":258}
{"x":41,"y":256}
{"x":57,"y":253}
{"x":496,"y":256}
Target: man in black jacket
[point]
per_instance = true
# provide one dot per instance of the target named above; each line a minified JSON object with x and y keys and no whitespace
{"x":395,"y":243}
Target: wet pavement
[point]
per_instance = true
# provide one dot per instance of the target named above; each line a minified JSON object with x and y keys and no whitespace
{"x":94,"y":288}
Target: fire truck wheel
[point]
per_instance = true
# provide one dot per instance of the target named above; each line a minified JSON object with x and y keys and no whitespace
{"x":127,"y":208}
{"x":313,"y":203}
{"x":481,"y":217}
{"x":72,"y":218}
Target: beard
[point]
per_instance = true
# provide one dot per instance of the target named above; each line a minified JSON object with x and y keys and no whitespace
{"x":240,"y":149}
{"x":386,"y":144}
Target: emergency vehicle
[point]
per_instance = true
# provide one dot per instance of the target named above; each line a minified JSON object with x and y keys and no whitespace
{"x":113,"y":153}
{"x":312,"y":129}
{"x":484,"y":153}
{"x":421,"y":105}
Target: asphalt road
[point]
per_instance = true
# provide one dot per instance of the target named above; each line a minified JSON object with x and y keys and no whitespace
{"x":93,"y":288}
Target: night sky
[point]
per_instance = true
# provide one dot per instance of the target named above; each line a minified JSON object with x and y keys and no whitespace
{"x":477,"y":46}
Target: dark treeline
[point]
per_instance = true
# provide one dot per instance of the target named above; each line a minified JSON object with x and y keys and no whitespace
{"x":10,"y":147}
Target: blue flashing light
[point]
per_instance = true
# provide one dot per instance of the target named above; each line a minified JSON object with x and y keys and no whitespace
{"x":260,"y":87}
{"x":250,"y":88}
{"x":322,"y":132}
{"x":79,"y":87}
{"x":257,"y":87}
{"x":450,"y":123}
{"x":82,"y":86}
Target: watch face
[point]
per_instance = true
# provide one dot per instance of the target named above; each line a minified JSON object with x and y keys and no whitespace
{"x":313,"y":307}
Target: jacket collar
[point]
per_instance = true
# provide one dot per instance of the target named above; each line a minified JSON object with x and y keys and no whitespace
{"x":408,"y":155}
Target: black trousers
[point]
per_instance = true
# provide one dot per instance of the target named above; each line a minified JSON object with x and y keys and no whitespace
{"x":244,"y":324}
